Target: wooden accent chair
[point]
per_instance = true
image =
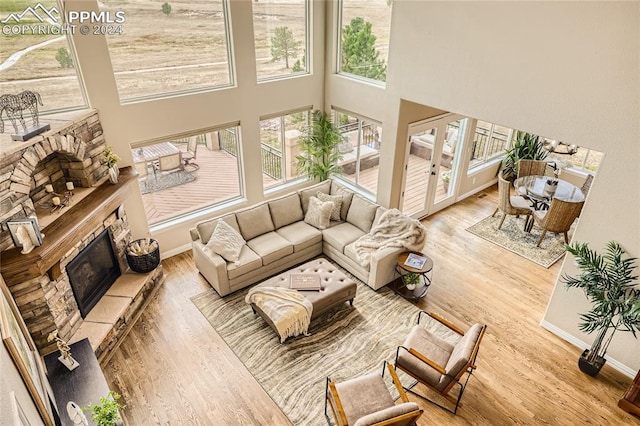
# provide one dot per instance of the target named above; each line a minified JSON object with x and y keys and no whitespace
{"x":514,"y":205}
{"x":170,"y":162}
{"x":531,"y":167}
{"x":190,"y":156}
{"x":437,"y":363}
{"x":558,"y":218}
{"x":366,"y":401}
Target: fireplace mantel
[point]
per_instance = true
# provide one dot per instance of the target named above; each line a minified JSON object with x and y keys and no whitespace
{"x":65,"y":232}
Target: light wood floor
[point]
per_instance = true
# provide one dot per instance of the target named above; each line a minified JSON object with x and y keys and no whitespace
{"x":174,"y":369}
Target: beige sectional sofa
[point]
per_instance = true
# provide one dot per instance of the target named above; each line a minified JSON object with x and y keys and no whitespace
{"x":277,"y":238}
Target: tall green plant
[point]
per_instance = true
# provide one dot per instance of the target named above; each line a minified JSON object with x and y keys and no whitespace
{"x":608,"y":282}
{"x":527,"y":146}
{"x":319,"y":154}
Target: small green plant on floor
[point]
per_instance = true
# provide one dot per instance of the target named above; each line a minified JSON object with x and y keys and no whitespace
{"x":106,"y":413}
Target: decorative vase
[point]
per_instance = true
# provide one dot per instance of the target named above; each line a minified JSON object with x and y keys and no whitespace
{"x":550,"y":186}
{"x":592,"y":368}
{"x":114,"y":172}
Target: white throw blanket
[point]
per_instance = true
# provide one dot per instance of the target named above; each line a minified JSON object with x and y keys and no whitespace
{"x":394,"y":229}
{"x":289,"y":310}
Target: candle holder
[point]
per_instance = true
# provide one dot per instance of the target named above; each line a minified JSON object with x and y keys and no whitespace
{"x":57,"y":201}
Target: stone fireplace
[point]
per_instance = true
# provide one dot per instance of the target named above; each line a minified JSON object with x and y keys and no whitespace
{"x":40,"y":281}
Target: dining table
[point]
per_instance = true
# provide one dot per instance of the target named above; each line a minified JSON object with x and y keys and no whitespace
{"x":151,"y":153}
{"x":536,"y":189}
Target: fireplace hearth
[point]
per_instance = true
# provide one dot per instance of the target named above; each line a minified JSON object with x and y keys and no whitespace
{"x":93,"y":271}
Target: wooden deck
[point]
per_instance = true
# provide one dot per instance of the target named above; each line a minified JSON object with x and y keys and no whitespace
{"x":217,"y":180}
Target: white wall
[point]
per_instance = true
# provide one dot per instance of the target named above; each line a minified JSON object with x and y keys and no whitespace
{"x":568,"y":70}
{"x":142,"y":121}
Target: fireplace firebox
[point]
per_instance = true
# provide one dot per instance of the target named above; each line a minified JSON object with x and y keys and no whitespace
{"x":93,"y":271}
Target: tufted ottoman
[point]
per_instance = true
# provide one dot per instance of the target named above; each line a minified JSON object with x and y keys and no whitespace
{"x":337,"y":288}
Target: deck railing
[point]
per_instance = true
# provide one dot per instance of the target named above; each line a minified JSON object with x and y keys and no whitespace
{"x":229,"y":141}
{"x":485,"y":147}
{"x":271,"y":161}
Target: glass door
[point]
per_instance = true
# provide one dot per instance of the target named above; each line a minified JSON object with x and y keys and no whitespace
{"x":431,"y":164}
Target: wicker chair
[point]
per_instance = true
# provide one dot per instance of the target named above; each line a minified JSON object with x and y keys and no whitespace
{"x":531,"y":167}
{"x":558,"y":218}
{"x":587,"y":185}
{"x":510,"y":204}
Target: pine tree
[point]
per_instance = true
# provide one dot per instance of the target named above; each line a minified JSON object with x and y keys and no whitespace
{"x":359,"y":55}
{"x":283,"y":45}
{"x":166,"y":8}
{"x":64,"y":58}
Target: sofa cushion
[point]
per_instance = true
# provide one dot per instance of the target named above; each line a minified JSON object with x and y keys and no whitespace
{"x":341,"y":235}
{"x":255,"y":221}
{"x":270,"y":247}
{"x":226,"y":241}
{"x":247,"y":262}
{"x":347,"y":196}
{"x":318,"y":213}
{"x":206,"y":228}
{"x":301,"y":235}
{"x":307,"y":193}
{"x":337,"y":203}
{"x":361,"y":213}
{"x":286,"y":210}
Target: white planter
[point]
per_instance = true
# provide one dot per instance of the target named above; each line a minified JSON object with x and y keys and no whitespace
{"x":550,"y":188}
{"x":114,"y":172}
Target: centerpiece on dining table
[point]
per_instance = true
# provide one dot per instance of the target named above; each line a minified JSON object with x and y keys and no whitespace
{"x":551,"y":185}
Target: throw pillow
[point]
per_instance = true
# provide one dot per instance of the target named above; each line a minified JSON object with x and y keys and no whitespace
{"x":318,"y":213}
{"x":347,"y":196}
{"x":226,"y":241}
{"x":337,"y":203}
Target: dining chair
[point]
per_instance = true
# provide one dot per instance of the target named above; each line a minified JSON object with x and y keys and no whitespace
{"x":170,"y":162}
{"x":190,"y":155}
{"x":508,"y":204}
{"x":531,"y":167}
{"x":586,"y":186}
{"x":365,"y":400}
{"x":141,"y":168}
{"x":558,"y":218}
{"x":429,"y":356}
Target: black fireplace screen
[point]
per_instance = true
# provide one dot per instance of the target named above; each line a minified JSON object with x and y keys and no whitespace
{"x":92,"y":272}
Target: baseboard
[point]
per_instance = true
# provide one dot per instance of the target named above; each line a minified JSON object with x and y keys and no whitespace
{"x":174,"y":251}
{"x":582,"y":345}
{"x":476,"y":190}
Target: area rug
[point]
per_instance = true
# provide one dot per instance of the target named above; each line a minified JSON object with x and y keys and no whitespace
{"x":162,"y":180}
{"x":344,"y":343}
{"x":513,"y":238}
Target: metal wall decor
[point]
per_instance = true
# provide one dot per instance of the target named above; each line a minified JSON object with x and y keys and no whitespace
{"x":13,"y":107}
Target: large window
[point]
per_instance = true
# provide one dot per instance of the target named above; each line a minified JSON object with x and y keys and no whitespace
{"x":184,"y":174}
{"x":365,"y":26}
{"x":360,"y":150}
{"x":585,"y":159}
{"x":279,"y":136}
{"x":281,"y":31}
{"x":489,"y":142}
{"x":35,"y":55}
{"x":168,"y":47}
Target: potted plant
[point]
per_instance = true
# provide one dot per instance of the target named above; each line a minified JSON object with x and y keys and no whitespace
{"x":110,"y":159}
{"x":106,"y":413}
{"x":526,"y":146}
{"x":609,"y":283}
{"x":319,"y":154}
{"x":446,"y":178}
{"x":411,"y":280}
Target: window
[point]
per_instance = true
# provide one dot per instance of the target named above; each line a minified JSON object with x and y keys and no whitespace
{"x":360,"y":150}
{"x":38,"y":60}
{"x":585,"y":159}
{"x":489,"y":142}
{"x":279,"y":138}
{"x":184,"y":174}
{"x":363,"y":39}
{"x":169,"y":47}
{"x":281,"y":31}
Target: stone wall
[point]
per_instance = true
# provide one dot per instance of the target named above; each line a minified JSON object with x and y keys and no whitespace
{"x":48,"y":304}
{"x":69,"y":153}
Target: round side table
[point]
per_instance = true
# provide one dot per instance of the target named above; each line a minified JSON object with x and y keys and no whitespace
{"x":413,"y":266}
